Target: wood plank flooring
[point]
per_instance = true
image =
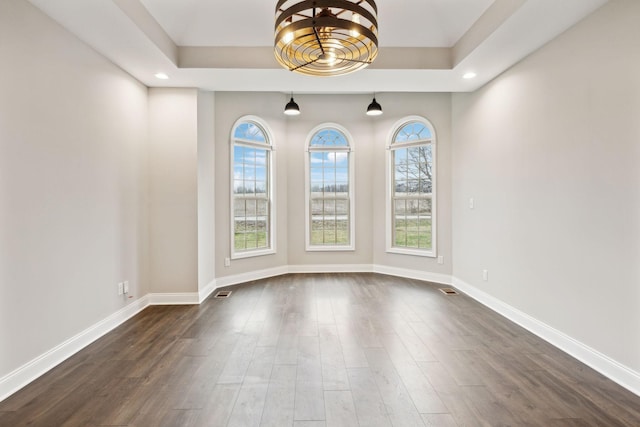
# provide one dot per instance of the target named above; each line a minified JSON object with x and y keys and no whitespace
{"x":322,"y":350}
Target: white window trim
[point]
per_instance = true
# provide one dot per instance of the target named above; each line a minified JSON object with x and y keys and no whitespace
{"x":390,"y":169}
{"x":271,"y":191}
{"x":307,"y":186}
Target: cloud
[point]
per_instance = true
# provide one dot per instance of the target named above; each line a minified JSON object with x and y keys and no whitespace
{"x":338,"y":157}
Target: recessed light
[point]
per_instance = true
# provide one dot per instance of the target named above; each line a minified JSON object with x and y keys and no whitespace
{"x":469,"y":75}
{"x":161,"y":76}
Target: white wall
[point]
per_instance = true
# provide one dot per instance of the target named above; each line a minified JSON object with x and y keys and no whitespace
{"x":73,"y":131}
{"x":550,"y":153}
{"x":173,"y":190}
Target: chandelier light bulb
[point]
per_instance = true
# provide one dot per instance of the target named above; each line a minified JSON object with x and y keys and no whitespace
{"x":355,"y":18}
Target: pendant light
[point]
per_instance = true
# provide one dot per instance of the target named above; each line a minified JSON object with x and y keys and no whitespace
{"x":292,"y":109}
{"x":374,"y":109}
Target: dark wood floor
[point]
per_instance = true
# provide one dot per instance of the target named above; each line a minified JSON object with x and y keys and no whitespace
{"x":322,"y":350}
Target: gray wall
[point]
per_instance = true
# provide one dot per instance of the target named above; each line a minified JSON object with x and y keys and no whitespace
{"x":181,"y":190}
{"x":349,"y":112}
{"x":229,"y":107}
{"x":173,"y":190}
{"x":206,"y":190}
{"x":370,"y":138}
{"x":436,"y":107}
{"x":73,"y":132}
{"x":550,"y":153}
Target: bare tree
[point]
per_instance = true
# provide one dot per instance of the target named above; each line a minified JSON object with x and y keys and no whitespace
{"x":417,"y":171}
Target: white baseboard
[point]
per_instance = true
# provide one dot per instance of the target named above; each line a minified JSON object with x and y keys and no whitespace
{"x":608,"y":367}
{"x":183,"y":298}
{"x":237,"y":279}
{"x":444,"y":279}
{"x":22,"y":376}
{"x":331,"y":268}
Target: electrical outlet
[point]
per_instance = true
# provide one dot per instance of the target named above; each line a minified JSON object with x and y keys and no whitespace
{"x":472,"y":203}
{"x":440,"y":259}
{"x":227,"y":262}
{"x":126,"y":287}
{"x":485,"y":275}
{"x":120,"y":288}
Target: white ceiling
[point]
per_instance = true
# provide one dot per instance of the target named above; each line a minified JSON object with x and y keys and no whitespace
{"x":425,"y":45}
{"x":209,"y":23}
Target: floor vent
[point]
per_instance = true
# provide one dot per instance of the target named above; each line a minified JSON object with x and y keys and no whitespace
{"x":222,"y":294}
{"x":448,"y":291}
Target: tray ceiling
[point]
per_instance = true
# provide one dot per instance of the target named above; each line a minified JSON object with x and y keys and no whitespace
{"x":425,"y":45}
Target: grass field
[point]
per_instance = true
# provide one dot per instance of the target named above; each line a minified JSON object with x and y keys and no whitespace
{"x":329,"y":232}
{"x":250,"y":235}
{"x":413,"y":233}
{"x":409,"y":233}
{"x":330,"y":237}
{"x":256,"y":240}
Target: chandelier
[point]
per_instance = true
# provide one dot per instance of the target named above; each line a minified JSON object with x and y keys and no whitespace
{"x":326,"y":37}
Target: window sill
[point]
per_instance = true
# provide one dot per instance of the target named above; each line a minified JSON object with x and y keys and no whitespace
{"x":330,"y":248}
{"x":415,"y":252}
{"x":253,"y":253}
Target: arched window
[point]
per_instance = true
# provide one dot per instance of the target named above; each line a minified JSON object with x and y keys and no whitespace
{"x":411,"y":185}
{"x":252,"y":218}
{"x":329,"y":189}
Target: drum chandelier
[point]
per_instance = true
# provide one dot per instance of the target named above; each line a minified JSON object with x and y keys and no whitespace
{"x":326,"y":37}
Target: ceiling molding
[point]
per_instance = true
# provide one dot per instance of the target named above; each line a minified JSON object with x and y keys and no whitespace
{"x":389,"y":58}
{"x":125,"y":32}
{"x":487,"y":24}
{"x":227,"y":57}
{"x":412,"y":58}
{"x":141,"y":17}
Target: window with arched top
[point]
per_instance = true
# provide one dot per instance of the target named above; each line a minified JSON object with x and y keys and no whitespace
{"x":329,"y":189}
{"x":411,"y":185}
{"x":252,"y":213}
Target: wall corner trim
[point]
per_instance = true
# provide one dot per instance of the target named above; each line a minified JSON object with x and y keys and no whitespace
{"x":615,"y":371}
{"x":204,"y":293}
